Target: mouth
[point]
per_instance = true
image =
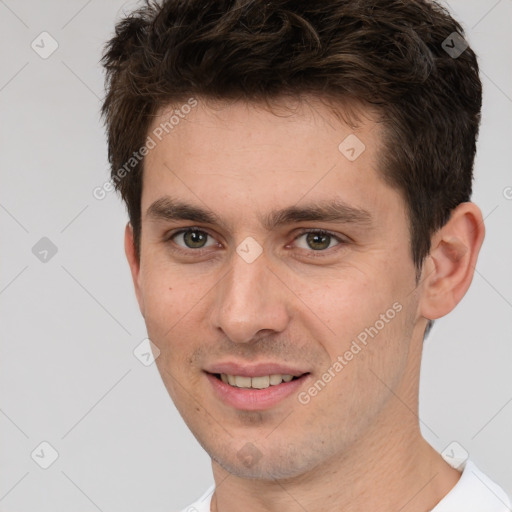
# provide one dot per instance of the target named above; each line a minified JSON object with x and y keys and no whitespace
{"x":261,"y":382}
{"x":256,"y":392}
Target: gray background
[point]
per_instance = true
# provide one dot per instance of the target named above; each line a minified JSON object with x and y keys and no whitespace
{"x":68,"y":375}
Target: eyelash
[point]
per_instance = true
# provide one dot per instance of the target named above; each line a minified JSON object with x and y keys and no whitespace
{"x":312,"y":252}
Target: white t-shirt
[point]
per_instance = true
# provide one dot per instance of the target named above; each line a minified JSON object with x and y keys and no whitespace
{"x":474,"y":492}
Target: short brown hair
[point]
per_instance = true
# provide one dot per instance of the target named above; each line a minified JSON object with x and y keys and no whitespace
{"x":387,"y":54}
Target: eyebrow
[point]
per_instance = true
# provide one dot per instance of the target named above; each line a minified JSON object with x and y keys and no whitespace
{"x":169,"y":209}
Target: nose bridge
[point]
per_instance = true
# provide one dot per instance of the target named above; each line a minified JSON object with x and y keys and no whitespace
{"x":247,"y":302}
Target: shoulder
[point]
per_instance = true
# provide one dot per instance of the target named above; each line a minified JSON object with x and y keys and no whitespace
{"x":474,"y":492}
{"x":202,"y":504}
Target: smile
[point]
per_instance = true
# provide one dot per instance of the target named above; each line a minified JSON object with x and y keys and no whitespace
{"x":262,"y":382}
{"x":255,"y":393}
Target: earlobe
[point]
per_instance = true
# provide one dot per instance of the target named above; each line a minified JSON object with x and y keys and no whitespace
{"x":134,"y":263}
{"x":451,"y":264}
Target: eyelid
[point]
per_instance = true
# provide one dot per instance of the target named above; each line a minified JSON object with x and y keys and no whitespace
{"x":325,"y":253}
{"x":338,"y":237}
{"x":169,"y":237}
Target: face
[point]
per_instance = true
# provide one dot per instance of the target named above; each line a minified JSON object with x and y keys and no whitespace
{"x":268,"y":252}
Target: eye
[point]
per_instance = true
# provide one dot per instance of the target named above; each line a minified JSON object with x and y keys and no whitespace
{"x":193,"y":238}
{"x":318,"y":239}
{"x":314,"y":241}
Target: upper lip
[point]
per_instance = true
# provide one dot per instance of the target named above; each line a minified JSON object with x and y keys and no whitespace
{"x":254,"y":370}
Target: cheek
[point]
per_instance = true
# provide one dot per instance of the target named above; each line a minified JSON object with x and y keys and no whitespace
{"x":169,"y":299}
{"x":363,"y":319}
{"x":345,"y":302}
{"x":172,"y":305}
{"x":168,"y":290}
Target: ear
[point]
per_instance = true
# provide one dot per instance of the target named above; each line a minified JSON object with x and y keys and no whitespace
{"x":133,"y":261}
{"x":449,"y":268}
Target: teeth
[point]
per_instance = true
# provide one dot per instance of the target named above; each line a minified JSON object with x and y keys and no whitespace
{"x":275,"y":379}
{"x":255,"y":382}
{"x":242,"y":382}
{"x":260,"y":382}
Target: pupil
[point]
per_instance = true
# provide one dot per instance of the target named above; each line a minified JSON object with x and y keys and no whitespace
{"x":195,"y":237}
{"x":314,"y":236}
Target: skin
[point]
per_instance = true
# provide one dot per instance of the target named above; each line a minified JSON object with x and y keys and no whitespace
{"x":357,"y":444}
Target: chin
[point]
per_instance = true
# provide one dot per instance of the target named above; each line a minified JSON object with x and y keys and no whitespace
{"x":267,"y":471}
{"x":251,"y":463}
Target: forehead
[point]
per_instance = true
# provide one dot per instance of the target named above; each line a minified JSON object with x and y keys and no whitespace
{"x":240,"y":155}
{"x":288,"y":113}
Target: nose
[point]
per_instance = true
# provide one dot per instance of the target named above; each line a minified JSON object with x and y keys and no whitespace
{"x":250,"y":300}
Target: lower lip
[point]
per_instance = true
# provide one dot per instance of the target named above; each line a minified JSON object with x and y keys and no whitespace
{"x":250,"y":399}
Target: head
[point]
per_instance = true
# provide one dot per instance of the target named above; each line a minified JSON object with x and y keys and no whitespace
{"x":233,"y":117}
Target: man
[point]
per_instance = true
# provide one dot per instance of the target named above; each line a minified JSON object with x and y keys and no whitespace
{"x":298,"y":179}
